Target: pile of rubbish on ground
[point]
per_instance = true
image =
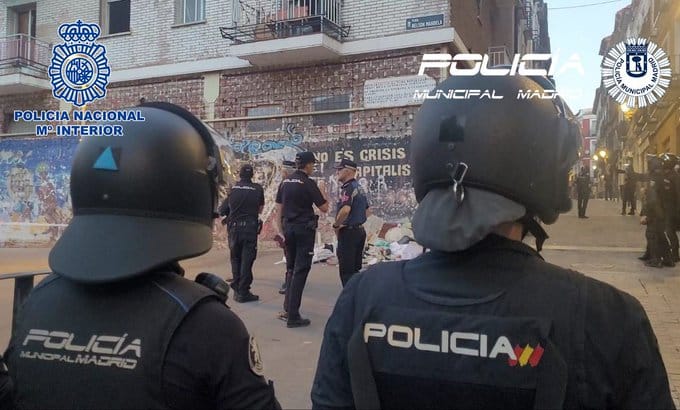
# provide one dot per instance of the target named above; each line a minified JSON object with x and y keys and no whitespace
{"x":391,"y":242}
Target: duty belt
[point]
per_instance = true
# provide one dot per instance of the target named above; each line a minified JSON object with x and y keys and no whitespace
{"x":354,"y":226}
{"x":240,"y":224}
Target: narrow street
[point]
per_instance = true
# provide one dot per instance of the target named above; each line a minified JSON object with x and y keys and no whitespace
{"x":605,"y":246}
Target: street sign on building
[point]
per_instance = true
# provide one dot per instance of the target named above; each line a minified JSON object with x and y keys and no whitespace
{"x":415,"y":23}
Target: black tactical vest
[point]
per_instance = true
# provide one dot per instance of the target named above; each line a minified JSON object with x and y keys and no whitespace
{"x":520,"y":348}
{"x":87,"y":346}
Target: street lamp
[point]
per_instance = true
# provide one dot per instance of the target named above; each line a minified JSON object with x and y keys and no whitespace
{"x":603,"y":153}
{"x":627,"y":111}
{"x":595,"y":157}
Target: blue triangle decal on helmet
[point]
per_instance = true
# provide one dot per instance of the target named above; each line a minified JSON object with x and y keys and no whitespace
{"x":106,"y":161}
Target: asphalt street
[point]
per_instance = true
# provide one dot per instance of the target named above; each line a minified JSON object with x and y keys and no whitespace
{"x":605,"y":246}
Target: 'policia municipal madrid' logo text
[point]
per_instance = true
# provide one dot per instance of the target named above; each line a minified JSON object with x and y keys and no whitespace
{"x":79,"y":69}
{"x":636,"y":72}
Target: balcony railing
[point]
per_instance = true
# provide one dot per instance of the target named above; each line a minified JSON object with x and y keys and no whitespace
{"x":21,"y":50}
{"x":258,"y":20}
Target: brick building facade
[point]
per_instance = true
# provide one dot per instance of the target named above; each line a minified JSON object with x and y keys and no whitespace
{"x":259,"y":86}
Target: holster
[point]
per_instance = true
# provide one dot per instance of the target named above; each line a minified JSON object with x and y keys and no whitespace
{"x":313,"y":223}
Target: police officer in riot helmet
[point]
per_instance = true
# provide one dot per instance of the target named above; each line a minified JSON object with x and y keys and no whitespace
{"x":116,"y":325}
{"x":241,"y":208}
{"x":669,"y":199}
{"x":482,"y":321}
{"x":653,"y":216}
{"x":296,"y":221}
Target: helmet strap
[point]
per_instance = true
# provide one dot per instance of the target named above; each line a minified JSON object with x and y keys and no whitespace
{"x":532,"y":226}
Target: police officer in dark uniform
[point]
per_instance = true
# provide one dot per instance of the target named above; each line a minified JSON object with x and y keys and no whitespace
{"x":287,"y":169}
{"x":294,"y":201}
{"x":482,"y":321}
{"x":349,"y":220}
{"x":6,"y":388}
{"x":669,"y":201}
{"x":116,"y":325}
{"x":653,"y":217}
{"x":242,"y":208}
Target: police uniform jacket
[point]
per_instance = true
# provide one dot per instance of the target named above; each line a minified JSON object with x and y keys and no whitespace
{"x":243,"y":203}
{"x":155,"y":342}
{"x":583,"y":185}
{"x":6,"y":388}
{"x":652,"y":203}
{"x":297,"y":194}
{"x":351,"y":194}
{"x":494,"y":326}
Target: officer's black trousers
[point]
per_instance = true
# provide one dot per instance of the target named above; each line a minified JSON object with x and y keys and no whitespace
{"x":300,"y":249}
{"x":669,"y":227}
{"x":608,"y":192}
{"x":582,"y":204}
{"x":656,"y":240}
{"x":628,"y":198}
{"x":351,"y":243}
{"x":242,"y":253}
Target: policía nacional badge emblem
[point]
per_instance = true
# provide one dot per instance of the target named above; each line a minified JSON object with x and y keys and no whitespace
{"x":79,"y":70}
{"x":636,"y":72}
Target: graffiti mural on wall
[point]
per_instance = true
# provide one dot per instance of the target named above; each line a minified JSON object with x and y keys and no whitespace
{"x":34,"y":180}
{"x":257,"y":147}
{"x":266,"y":156}
{"x":34,"y":190}
{"x":383,"y":171}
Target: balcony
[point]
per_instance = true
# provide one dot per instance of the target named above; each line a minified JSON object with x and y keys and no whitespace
{"x":23,"y":64}
{"x":283,"y":32}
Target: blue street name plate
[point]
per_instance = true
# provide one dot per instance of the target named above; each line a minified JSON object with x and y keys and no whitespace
{"x":424,"y":22}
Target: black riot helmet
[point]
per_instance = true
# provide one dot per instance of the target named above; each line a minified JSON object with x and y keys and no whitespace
{"x":140,"y":200}
{"x":668,"y":160}
{"x":522,"y":149}
{"x":655,"y":164}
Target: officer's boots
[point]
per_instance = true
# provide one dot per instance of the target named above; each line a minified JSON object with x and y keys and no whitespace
{"x":247,"y":297}
{"x":675,"y":257}
{"x":654,"y":263}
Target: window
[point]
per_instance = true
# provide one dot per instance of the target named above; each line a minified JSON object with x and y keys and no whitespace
{"x":328,"y":103}
{"x":115,"y":16}
{"x":265,"y":125}
{"x":22,"y":19}
{"x":593,"y":127}
{"x":189,"y":11}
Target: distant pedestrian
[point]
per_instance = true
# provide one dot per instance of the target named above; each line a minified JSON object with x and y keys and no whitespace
{"x":628,"y":189}
{"x":583,"y":191}
{"x":609,"y":183}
